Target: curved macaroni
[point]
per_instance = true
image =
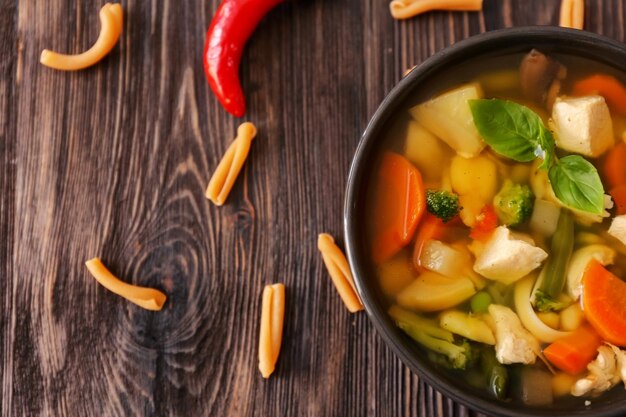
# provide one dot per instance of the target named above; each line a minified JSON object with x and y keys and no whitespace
{"x":404,"y":9}
{"x":271,"y":334}
{"x":147,"y":298}
{"x":111,"y":21}
{"x":228,"y":169}
{"x":572,"y":14}
{"x":339,"y":271}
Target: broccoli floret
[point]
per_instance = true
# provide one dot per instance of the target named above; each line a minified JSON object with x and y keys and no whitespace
{"x":514,"y":203}
{"x":545,"y":303}
{"x":442,"y":204}
{"x":426,"y":332}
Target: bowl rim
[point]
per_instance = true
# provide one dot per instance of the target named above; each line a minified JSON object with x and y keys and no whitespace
{"x":572,"y":40}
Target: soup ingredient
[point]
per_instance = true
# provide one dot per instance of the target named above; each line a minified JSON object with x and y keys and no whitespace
{"x":508,"y":257}
{"x":472,"y":328}
{"x":605,"y":85}
{"x":579,"y":261}
{"x":572,"y":317}
{"x":604,"y":303}
{"x":572,"y":14}
{"x":545,"y":217}
{"x":537,"y":73}
{"x":449,"y":117}
{"x":550,"y":319}
{"x":444,"y":259}
{"x":271,"y":333}
{"x":428,"y":334}
{"x":514,"y":344}
{"x":484,"y":224}
{"x":427,"y":152}
{"x":603,"y":374}
{"x":513,"y":203}
{"x":480,"y":302}
{"x":552,"y":278}
{"x":527,"y":315}
{"x":516,"y":132}
{"x":232,"y":25}
{"x":562,"y":384}
{"x":339,"y":271}
{"x":474,"y":176}
{"x":147,"y":298}
{"x":496,"y":374}
{"x":435,"y":292}
{"x":400,"y":202}
{"x":229,"y":167}
{"x":573,"y":352}
{"x":615,"y":166}
{"x":535,"y":387}
{"x":395,"y":274}
{"x":442,"y":204}
{"x":111,"y":21}
{"x":404,"y":9}
{"x":618,"y":228}
{"x":618,"y":194}
{"x":431,"y":228}
{"x":582,"y":125}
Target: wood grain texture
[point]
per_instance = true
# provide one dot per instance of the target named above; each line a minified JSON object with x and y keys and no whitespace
{"x":113,"y":161}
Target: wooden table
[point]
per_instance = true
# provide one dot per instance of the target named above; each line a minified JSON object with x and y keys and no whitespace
{"x":113,"y":162}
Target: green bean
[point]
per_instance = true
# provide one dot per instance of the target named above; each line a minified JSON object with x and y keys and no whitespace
{"x":496,"y":374}
{"x":562,"y":246}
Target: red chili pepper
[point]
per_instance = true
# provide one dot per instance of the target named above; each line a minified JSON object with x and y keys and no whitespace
{"x":232,"y":25}
{"x":486,"y":222}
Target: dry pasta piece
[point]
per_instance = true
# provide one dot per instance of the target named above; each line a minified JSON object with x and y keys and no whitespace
{"x":404,"y":9}
{"x":111,"y":20}
{"x":271,"y":334}
{"x":147,"y":298}
{"x":339,"y":271}
{"x":226,"y":173}
{"x":572,"y":14}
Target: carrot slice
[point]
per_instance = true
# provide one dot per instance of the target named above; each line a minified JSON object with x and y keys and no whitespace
{"x":615,"y":166}
{"x":604,"y":303}
{"x":607,"y":86}
{"x":619,"y":198}
{"x":400,"y":202}
{"x":431,"y":228}
{"x":486,"y":223}
{"x":573,"y":352}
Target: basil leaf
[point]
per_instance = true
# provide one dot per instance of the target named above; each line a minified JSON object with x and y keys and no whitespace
{"x":577,"y":184}
{"x":512,"y":130}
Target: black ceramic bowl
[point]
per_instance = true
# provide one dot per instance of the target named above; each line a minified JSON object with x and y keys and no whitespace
{"x":488,"y":45}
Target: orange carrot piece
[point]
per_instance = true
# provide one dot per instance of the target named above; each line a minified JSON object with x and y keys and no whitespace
{"x":431,"y":228}
{"x":573,"y":352}
{"x":399,"y":205}
{"x":619,"y":198}
{"x":604,"y":303}
{"x":607,"y":86}
{"x":486,"y":222}
{"x":615,"y":166}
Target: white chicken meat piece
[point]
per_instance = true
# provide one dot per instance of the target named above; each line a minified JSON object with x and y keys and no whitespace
{"x":514,"y":344}
{"x":507,"y":257}
{"x":618,"y":228}
{"x":603,"y":374}
{"x":582,"y":125}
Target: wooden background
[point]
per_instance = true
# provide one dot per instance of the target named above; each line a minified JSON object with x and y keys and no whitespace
{"x":113,"y":161}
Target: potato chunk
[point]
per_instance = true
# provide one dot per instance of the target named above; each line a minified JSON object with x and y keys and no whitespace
{"x":434,"y":292}
{"x":426,"y":151}
{"x":582,"y":125}
{"x":449,"y":117}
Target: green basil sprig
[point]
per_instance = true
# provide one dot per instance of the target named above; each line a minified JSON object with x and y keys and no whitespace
{"x":516,"y":132}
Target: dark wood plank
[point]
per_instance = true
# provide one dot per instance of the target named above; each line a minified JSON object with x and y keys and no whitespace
{"x":112,"y":162}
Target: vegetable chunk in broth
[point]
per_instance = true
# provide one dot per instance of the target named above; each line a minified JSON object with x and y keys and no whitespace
{"x":497,"y":225}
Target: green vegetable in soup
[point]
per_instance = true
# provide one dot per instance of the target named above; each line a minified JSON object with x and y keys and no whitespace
{"x":548,"y":296}
{"x":516,"y":132}
{"x":427,"y":333}
{"x":443,"y":204}
{"x":514,"y":203}
{"x":496,"y":374}
{"x":479,"y":303}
